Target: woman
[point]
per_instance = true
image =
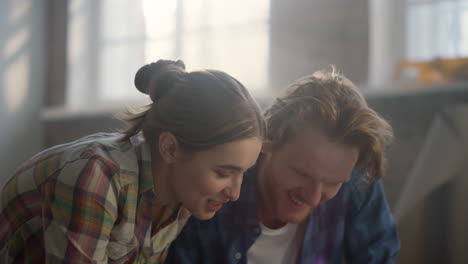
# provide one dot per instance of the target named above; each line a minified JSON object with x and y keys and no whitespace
{"x":123,"y":198}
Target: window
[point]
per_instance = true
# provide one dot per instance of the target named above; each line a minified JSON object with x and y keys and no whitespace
{"x":110,"y":39}
{"x":436,"y":29}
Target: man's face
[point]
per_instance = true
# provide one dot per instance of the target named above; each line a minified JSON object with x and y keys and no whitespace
{"x":296,"y":177}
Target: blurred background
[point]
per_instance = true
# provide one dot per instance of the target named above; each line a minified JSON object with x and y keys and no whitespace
{"x":67,"y":66}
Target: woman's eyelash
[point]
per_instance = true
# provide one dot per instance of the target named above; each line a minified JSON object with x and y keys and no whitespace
{"x":222,"y":174}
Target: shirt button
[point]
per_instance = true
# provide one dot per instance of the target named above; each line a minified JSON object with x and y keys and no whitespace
{"x":238,"y":255}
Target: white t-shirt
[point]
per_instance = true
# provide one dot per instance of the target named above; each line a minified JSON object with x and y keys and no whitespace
{"x":275,"y":245}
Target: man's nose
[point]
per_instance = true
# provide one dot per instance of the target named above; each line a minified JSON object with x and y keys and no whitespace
{"x":313,"y":194}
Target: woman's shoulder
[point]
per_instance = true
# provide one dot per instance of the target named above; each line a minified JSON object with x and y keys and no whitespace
{"x":120,"y":156}
{"x":100,"y":151}
{"x":103,"y":146}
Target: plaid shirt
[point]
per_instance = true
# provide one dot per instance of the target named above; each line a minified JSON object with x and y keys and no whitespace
{"x":88,"y":201}
{"x":356,"y":226}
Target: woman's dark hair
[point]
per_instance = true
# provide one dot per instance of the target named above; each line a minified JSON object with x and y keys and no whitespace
{"x":201,"y":108}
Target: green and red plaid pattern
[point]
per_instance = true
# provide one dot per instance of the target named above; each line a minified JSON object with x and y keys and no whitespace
{"x":87,"y":201}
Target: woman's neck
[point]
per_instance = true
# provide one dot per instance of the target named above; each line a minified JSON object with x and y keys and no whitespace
{"x":161,"y":181}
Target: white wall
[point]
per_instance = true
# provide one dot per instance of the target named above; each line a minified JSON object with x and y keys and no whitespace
{"x":311,"y":35}
{"x":22,"y":76}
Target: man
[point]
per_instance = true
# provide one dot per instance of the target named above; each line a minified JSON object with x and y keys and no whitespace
{"x":314,"y":195}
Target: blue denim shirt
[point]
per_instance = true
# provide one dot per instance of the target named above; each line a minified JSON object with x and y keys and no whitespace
{"x":356,"y":226}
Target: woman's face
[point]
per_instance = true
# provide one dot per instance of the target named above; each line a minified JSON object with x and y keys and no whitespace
{"x":203,"y":181}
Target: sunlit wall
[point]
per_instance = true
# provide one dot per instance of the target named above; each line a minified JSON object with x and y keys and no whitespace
{"x":22,"y":71}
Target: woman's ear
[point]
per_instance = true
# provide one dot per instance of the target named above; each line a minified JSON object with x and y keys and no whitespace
{"x":168,"y":147}
{"x":267,"y":146}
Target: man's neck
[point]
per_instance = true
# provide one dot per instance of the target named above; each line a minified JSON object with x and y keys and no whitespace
{"x":264,"y":209}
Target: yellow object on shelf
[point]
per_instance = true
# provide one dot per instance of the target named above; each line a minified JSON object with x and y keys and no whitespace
{"x":436,"y":71}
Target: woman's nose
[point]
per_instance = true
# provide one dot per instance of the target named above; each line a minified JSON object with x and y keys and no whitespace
{"x":233,"y":190}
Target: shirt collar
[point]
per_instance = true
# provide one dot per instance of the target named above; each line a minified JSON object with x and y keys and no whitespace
{"x":143,"y":152}
{"x":244,"y":209}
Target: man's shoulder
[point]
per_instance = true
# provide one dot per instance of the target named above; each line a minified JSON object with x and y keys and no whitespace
{"x":359,"y":190}
{"x":360,"y":184}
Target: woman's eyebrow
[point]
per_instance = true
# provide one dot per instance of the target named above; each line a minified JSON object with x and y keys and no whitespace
{"x":231,"y":168}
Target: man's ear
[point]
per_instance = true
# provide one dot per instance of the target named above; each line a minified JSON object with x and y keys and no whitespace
{"x":267,"y":146}
{"x":168,"y":147}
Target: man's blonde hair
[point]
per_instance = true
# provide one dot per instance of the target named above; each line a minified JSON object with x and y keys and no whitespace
{"x":330,"y":101}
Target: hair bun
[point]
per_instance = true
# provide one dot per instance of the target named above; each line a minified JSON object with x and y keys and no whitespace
{"x":156,"y":78}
